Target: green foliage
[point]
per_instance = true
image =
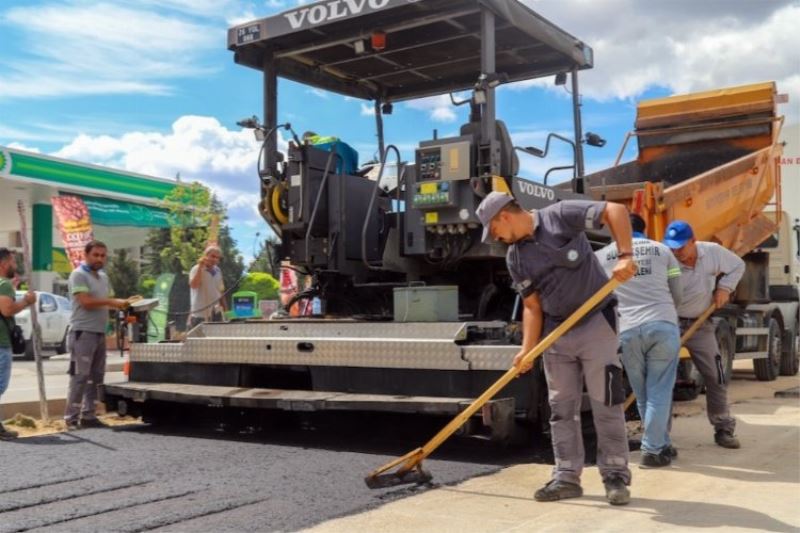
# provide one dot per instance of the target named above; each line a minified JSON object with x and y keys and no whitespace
{"x":146,"y":287}
{"x":261,"y":283}
{"x":123,"y":274}
{"x":268,"y":258}
{"x":177,"y":249}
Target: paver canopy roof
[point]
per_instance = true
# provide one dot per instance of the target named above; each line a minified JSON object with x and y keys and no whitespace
{"x":432,"y":46}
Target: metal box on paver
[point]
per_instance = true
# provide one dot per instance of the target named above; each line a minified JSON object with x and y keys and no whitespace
{"x":426,"y":304}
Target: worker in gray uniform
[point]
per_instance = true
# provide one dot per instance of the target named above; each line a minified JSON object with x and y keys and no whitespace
{"x":555,"y":271}
{"x":649,"y":337}
{"x":89,"y":287}
{"x":701,"y":264}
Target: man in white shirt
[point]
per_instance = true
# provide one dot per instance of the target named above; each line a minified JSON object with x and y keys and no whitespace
{"x":649,"y":337}
{"x":207,"y":287}
{"x":701,"y":264}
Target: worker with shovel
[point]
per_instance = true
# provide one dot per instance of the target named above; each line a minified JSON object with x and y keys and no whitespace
{"x":702,"y":264}
{"x":555,"y":271}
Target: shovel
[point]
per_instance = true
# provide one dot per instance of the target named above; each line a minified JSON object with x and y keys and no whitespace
{"x":410,"y":465}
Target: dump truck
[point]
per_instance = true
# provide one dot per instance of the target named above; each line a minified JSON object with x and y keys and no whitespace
{"x":713,"y":159}
{"x":417,"y":315}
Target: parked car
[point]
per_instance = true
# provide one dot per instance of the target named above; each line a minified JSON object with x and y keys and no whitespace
{"x":53,"y":313}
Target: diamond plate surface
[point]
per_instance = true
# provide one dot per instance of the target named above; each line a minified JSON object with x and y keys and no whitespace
{"x":369,"y":353}
{"x":156,"y":352}
{"x":332,"y":329}
{"x":490,"y":357}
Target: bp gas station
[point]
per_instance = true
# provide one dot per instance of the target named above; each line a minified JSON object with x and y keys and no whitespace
{"x":123,"y":207}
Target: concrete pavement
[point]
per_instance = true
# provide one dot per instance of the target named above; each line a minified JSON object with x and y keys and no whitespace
{"x":755,"y":488}
{"x":22,"y":395}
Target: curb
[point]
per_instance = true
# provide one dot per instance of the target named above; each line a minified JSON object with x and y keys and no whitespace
{"x":55,"y":406}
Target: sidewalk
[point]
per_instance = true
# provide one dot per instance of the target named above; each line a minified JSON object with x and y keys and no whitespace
{"x":22,"y":395}
{"x":755,"y":488}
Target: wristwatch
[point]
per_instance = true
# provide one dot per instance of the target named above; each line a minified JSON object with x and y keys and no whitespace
{"x":624,"y":254}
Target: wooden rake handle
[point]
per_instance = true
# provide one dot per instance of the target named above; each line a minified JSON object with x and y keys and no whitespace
{"x":415,"y":457}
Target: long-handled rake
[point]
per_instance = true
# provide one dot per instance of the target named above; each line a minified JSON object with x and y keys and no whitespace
{"x":410,"y":465}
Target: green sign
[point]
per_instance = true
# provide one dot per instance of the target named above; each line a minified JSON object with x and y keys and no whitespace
{"x":158,"y":315}
{"x":58,"y":171}
{"x":106,"y":212}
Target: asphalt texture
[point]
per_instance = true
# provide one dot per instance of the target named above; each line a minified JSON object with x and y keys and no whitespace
{"x":214,"y":478}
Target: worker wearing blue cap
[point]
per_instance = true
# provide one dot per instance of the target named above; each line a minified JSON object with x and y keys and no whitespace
{"x":555,"y":271}
{"x":702,"y":263}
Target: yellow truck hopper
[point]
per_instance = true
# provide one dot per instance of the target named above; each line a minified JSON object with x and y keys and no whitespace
{"x":709,"y":158}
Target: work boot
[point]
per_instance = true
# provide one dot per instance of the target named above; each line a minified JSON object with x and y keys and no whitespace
{"x":726,"y":439}
{"x":617,"y":492}
{"x":655,"y":460}
{"x":7,"y":434}
{"x":92,"y":423}
{"x":671,"y":451}
{"x":556,"y":490}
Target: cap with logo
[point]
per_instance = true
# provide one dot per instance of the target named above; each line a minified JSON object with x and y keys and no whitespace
{"x":678,"y":233}
{"x":488,"y":209}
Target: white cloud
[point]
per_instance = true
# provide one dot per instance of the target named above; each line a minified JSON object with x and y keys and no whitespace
{"x":80,"y":49}
{"x":682,"y":45}
{"x":439,"y":108}
{"x":319,"y":93}
{"x":367,"y":110}
{"x":20,"y":146}
{"x":9,"y":134}
{"x":198,"y":148}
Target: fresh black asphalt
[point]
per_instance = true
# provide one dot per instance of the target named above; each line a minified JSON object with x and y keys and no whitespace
{"x":143,"y":478}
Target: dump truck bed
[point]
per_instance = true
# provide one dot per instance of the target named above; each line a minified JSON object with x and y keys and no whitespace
{"x":711,"y":159}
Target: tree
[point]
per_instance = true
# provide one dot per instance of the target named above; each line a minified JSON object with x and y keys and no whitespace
{"x":262,"y":284}
{"x":123,"y":274}
{"x":176,"y":249}
{"x":268,"y":258}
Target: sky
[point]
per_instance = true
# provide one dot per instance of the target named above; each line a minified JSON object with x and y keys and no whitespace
{"x":149,"y":86}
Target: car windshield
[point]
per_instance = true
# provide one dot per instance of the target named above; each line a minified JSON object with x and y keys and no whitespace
{"x":64,"y":303}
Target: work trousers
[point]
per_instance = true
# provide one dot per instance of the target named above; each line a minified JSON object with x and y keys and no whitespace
{"x":706,"y":357}
{"x":587,"y":353}
{"x":87,"y":368}
{"x":650,"y":357}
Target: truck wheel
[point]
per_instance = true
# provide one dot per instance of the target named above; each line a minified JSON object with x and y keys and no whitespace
{"x":727,"y":348}
{"x":689,"y":384}
{"x":790,"y":358}
{"x":767,"y":369}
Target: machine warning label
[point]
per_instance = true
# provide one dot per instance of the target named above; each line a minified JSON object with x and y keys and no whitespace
{"x":248,"y":34}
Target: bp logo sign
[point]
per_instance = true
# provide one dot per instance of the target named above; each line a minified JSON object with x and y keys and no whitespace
{"x":5,"y":162}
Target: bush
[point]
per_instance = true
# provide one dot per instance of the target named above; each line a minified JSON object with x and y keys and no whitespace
{"x":262,"y":284}
{"x":146,"y":287}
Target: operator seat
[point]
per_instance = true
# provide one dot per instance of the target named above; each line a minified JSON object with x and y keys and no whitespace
{"x":509,"y":162}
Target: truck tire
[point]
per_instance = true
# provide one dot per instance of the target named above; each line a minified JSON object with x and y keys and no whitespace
{"x":727,"y":348}
{"x":790,"y":358}
{"x":688,"y":373}
{"x":767,"y":369}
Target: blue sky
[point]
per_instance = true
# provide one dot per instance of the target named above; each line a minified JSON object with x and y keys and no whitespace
{"x":149,"y":86}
